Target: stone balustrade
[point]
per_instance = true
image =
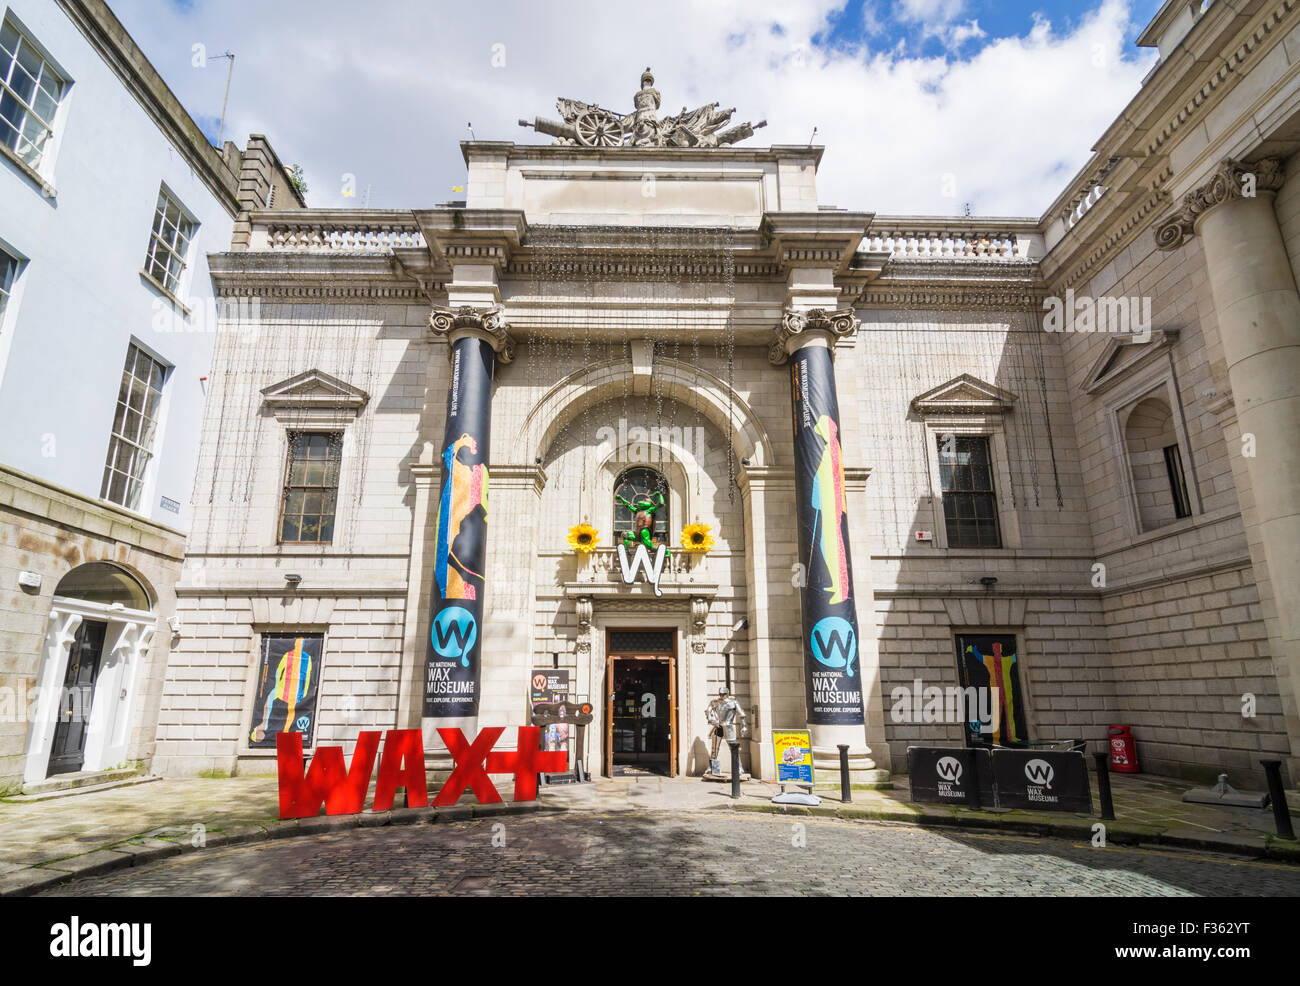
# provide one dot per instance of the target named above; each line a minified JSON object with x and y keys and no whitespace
{"x":948,"y":239}
{"x":327,"y":231}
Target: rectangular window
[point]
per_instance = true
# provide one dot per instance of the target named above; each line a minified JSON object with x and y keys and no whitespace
{"x":8,"y":272}
{"x":1177,"y":482}
{"x":311,"y":488}
{"x":970,"y":509}
{"x":30,"y":91}
{"x":134,"y":426}
{"x":989,"y":673}
{"x":169,"y":242}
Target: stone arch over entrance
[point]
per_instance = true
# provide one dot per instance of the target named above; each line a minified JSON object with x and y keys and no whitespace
{"x":672,"y":379}
{"x":83,"y":707}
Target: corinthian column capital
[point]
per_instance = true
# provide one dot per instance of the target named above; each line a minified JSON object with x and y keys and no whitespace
{"x":1231,"y":180}
{"x":837,"y":325}
{"x":488,"y":324}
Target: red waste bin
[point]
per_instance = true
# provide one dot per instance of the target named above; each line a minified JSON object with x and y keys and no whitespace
{"x":1123,"y":750}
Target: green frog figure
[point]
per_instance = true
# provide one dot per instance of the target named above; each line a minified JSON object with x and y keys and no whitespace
{"x":643,"y":509}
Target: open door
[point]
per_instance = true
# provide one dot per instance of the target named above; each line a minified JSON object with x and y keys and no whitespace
{"x":607,"y":768}
{"x":640,"y":703}
{"x":672,"y":720}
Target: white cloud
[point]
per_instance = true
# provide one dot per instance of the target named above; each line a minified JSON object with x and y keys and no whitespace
{"x":934,"y":15}
{"x":384,"y":90}
{"x":872,"y":23}
{"x":959,"y":34}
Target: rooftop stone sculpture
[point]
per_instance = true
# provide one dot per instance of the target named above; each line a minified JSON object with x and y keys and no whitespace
{"x":589,"y":125}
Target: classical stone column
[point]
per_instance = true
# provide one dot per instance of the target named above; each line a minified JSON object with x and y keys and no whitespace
{"x":833,"y":689}
{"x":477,"y":337}
{"x":1258,"y":312}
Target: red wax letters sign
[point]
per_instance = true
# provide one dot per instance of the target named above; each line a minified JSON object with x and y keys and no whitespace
{"x":341,"y":787}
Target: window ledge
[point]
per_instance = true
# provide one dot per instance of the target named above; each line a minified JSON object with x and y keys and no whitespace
{"x":47,"y":190}
{"x":1165,"y":530}
{"x":153,"y":282}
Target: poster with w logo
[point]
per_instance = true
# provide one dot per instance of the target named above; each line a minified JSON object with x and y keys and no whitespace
{"x":832,"y":673}
{"x":988,"y":664}
{"x":288,"y":676}
{"x":452,"y":658}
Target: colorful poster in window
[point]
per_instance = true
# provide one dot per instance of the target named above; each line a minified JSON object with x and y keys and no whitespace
{"x":988,"y":664}
{"x":832,"y":671}
{"x":794,"y":758}
{"x":287,"y":682}
{"x":453,"y":654}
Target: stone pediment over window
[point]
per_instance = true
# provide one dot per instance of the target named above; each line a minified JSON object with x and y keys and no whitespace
{"x":314,"y":392}
{"x":1121,"y":355}
{"x":964,"y":395}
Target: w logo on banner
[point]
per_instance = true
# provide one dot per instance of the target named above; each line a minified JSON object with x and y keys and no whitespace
{"x":1040,"y":772}
{"x":641,"y":560}
{"x":834,"y":643}
{"x":949,"y":769}
{"x":454,"y":633}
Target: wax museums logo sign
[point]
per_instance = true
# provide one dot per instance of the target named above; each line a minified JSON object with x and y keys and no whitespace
{"x":452,"y":660}
{"x":341,"y":787}
{"x":832,"y":676}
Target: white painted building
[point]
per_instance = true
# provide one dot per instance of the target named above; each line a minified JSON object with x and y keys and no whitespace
{"x":110,"y":200}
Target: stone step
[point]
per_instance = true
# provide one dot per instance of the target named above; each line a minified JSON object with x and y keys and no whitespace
{"x":82,"y":782}
{"x":860,"y":780}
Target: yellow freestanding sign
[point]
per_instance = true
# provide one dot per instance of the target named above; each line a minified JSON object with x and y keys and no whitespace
{"x":794,"y":759}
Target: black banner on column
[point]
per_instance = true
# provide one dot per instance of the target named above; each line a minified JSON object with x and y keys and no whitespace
{"x":451,"y":680}
{"x":832,"y":674}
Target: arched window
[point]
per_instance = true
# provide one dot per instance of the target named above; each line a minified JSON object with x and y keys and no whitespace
{"x":1157,"y":465}
{"x":100,"y":582}
{"x":639,"y":486}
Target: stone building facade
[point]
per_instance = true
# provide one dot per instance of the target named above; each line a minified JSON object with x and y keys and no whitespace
{"x":1032,"y":491}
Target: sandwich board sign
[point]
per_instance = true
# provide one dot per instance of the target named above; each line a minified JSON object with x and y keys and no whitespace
{"x":794,"y":756}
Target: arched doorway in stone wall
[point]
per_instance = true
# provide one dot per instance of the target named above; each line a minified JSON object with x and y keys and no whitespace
{"x":100,"y":626}
{"x":650,"y":659}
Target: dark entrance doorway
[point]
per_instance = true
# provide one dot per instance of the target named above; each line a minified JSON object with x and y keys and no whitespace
{"x":69,"y":747}
{"x":641,"y":703}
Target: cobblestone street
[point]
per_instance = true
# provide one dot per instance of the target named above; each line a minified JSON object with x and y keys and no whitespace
{"x":686,"y":854}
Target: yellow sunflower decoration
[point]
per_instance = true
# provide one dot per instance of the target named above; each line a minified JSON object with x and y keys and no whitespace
{"x":696,"y":537}
{"x":582,"y":538}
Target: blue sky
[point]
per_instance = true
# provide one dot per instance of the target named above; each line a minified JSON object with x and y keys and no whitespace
{"x":881,"y":26}
{"x":924,"y":106}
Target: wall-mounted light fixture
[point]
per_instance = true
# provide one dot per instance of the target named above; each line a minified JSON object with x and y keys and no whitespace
{"x":292,"y":578}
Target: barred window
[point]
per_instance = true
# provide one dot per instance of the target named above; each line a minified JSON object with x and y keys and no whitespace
{"x":169,"y":242}
{"x":970,"y":509}
{"x":134,"y":426}
{"x":30,"y":91}
{"x":637,"y":486}
{"x":311,"y":488}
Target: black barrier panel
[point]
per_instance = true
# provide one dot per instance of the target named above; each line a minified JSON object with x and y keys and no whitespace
{"x":945,"y":776}
{"x":1042,"y":780}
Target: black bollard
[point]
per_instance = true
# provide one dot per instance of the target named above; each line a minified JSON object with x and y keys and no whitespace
{"x":735,"y":767}
{"x":1103,"y":785}
{"x":846,"y":794}
{"x":1277,"y":795}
